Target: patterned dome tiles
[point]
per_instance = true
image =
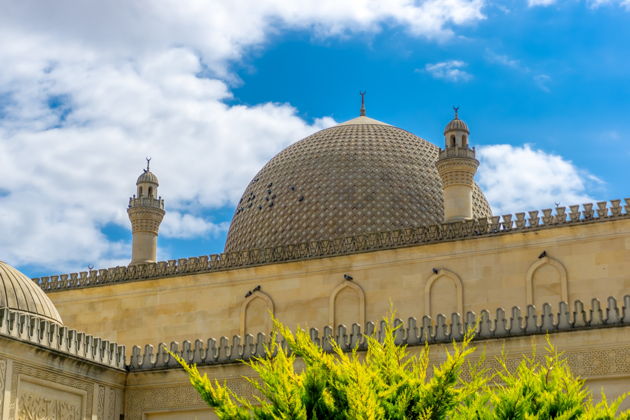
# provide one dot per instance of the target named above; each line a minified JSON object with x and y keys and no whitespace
{"x":342,"y":181}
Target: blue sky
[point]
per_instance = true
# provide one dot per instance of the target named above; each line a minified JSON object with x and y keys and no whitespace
{"x":212,"y":96}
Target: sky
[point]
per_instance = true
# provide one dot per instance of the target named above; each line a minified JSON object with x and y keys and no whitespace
{"x":211,"y":90}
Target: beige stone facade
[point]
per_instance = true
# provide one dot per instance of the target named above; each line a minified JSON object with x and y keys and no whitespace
{"x":41,"y":382}
{"x":443,"y":262}
{"x":583,"y":261}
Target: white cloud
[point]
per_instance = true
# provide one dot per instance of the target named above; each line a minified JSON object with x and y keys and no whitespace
{"x":505,"y":60}
{"x":542,"y":81}
{"x":516,"y":179}
{"x":532,"y":3}
{"x":598,"y":3}
{"x":178,"y":225}
{"x":88,"y":89}
{"x":591,"y":3}
{"x":452,"y":71}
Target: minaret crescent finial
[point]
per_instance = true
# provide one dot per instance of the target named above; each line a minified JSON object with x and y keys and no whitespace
{"x":362,"y":112}
{"x":148,"y":163}
{"x":456,"y":109}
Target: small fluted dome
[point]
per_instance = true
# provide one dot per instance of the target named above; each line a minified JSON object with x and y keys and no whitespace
{"x":147,"y":177}
{"x":456,"y":124}
{"x":359,"y":177}
{"x":21,"y":294}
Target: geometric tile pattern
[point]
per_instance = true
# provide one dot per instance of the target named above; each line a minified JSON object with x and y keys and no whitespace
{"x":351,"y":179}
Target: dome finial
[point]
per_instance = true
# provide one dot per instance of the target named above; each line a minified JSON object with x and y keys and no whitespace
{"x":148,"y":163}
{"x":456,"y":109}
{"x":362,"y":112}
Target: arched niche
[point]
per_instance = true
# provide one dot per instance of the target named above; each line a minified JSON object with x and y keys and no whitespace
{"x":444,"y":293}
{"x":346,"y":305}
{"x":546,"y":282}
{"x":256,"y":312}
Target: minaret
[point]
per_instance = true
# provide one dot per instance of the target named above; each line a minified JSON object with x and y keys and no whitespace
{"x":457,"y":167}
{"x":146,"y":211}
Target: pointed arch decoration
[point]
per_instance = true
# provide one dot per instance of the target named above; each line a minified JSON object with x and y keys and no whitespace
{"x":258,"y":295}
{"x":332,"y":306}
{"x":562,"y":276}
{"x":457,"y":283}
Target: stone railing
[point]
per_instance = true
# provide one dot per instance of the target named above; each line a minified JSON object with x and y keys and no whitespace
{"x":51,"y":336}
{"x":157,"y":203}
{"x":457,"y":152}
{"x":496,"y":225}
{"x":486,"y":325}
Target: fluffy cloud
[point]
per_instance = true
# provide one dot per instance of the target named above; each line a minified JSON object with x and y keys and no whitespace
{"x":521,"y":178}
{"x":453,"y":71}
{"x":89,"y":89}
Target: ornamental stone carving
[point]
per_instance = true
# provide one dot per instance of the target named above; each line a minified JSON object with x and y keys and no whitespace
{"x":40,"y":407}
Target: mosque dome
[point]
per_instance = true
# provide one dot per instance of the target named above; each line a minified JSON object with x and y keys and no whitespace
{"x":361,"y":176}
{"x":21,"y":294}
{"x":456,"y":124}
{"x":147,"y":177}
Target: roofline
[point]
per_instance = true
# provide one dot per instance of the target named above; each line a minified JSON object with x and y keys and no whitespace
{"x":401,"y":238}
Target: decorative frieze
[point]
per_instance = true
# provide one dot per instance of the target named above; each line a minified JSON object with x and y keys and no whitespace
{"x":35,"y":407}
{"x":482,"y":227}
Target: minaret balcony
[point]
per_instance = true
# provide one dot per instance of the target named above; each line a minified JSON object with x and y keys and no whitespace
{"x":156,"y":203}
{"x":457,"y":152}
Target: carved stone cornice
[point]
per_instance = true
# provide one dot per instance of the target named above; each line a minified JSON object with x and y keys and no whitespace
{"x":469,"y":229}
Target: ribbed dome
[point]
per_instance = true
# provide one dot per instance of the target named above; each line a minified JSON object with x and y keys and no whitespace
{"x":147,"y":176}
{"x":456,"y":124}
{"x":358,"y":177}
{"x":21,"y":294}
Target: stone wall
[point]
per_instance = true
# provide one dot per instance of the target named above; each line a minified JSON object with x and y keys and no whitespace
{"x":56,"y":373}
{"x":37,"y":383}
{"x":527,"y":266}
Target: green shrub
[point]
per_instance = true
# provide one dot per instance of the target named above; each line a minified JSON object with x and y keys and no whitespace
{"x":386,"y":382}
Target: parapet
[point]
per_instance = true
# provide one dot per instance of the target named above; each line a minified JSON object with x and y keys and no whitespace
{"x":157,"y":203}
{"x":52,"y":336}
{"x":457,"y":152}
{"x":486,"y":325}
{"x":468,"y":229}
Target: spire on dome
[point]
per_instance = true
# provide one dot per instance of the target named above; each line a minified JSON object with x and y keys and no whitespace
{"x":456,"y":109}
{"x":362,"y":112}
{"x":147,"y":176}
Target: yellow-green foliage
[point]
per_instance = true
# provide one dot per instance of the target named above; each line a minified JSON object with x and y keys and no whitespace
{"x":388,"y":383}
